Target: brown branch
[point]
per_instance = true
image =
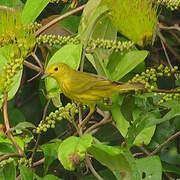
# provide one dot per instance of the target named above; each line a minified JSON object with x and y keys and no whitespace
{"x":107,"y":119}
{"x":165,"y":143}
{"x":32,"y":66}
{"x":38,"y":137}
{"x":54,"y":21}
{"x":175,"y":27}
{"x":6,"y":122}
{"x":6,"y":156}
{"x":167,"y":57}
{"x":176,"y":55}
{"x":38,"y":61}
{"x":94,"y":172}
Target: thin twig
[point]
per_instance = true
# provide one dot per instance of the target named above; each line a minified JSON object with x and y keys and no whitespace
{"x":32,"y":66}
{"x":6,"y":156}
{"x":80,"y":120}
{"x":107,"y":119}
{"x":165,"y":143}
{"x":6,"y":122}
{"x":38,"y":61}
{"x":175,"y":27}
{"x":144,"y":150}
{"x":34,"y":77}
{"x":38,"y":137}
{"x":167,"y":57}
{"x":92,"y":168}
{"x":176,"y":55}
{"x":54,"y":21}
{"x":37,"y":163}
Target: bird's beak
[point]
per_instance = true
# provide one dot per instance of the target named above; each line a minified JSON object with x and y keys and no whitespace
{"x":45,"y":75}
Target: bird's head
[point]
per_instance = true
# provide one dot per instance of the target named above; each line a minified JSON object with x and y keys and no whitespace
{"x":55,"y":70}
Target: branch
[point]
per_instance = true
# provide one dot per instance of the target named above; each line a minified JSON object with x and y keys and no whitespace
{"x":38,"y":137}
{"x":165,"y":143}
{"x":32,"y":66}
{"x":176,"y":55}
{"x":175,"y":27}
{"x":92,"y":168}
{"x":54,"y":21}
{"x":6,"y":122}
{"x":107,"y":119}
{"x":6,"y":156}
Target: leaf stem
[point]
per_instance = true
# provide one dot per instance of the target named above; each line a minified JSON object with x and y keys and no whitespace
{"x":54,"y":21}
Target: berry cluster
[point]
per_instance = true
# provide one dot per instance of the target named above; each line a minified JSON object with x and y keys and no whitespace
{"x":25,"y":162}
{"x":6,"y":161}
{"x":150,"y":76}
{"x":171,"y":4}
{"x":68,"y":112}
{"x":53,"y":40}
{"x":168,"y":97}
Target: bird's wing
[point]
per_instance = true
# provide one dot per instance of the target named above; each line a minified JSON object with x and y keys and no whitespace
{"x":83,"y":82}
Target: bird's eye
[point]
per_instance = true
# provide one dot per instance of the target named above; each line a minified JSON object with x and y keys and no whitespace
{"x":56,"y":69}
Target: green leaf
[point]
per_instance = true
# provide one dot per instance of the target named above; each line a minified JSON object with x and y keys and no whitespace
{"x":89,"y":23}
{"x":26,"y":173}
{"x":87,"y":14}
{"x":144,"y":137}
{"x":118,"y":160}
{"x":120,"y":65}
{"x":49,"y":177}
{"x":73,"y":147}
{"x":50,"y":153}
{"x":15,"y":116}
{"x":121,"y":123}
{"x":24,"y":125}
{"x":69,"y":54}
{"x":70,"y":24}
{"x":171,"y":168}
{"x":32,"y":10}
{"x":8,"y":172}
{"x":150,"y":168}
{"x":6,"y":148}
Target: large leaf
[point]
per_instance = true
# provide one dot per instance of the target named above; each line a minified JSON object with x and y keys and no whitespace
{"x":49,"y":177}
{"x":32,"y":9}
{"x":121,"y":123}
{"x":69,"y":54}
{"x":73,"y":149}
{"x":86,"y":29}
{"x":150,"y":168}
{"x":50,"y":153}
{"x":118,"y":160}
{"x":26,"y":173}
{"x":87,"y":14}
{"x":120,"y":65}
{"x":8,"y":172}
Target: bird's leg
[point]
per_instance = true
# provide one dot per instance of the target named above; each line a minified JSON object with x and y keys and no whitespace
{"x":86,"y":119}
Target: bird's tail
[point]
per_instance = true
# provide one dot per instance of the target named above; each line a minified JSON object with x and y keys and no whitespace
{"x":133,"y":86}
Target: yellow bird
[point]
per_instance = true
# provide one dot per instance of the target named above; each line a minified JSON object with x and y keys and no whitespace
{"x":87,"y":88}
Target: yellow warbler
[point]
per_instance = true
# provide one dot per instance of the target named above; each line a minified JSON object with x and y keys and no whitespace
{"x":87,"y":88}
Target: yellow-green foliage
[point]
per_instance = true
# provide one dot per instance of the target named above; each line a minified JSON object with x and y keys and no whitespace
{"x":20,"y":39}
{"x":135,"y":19}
